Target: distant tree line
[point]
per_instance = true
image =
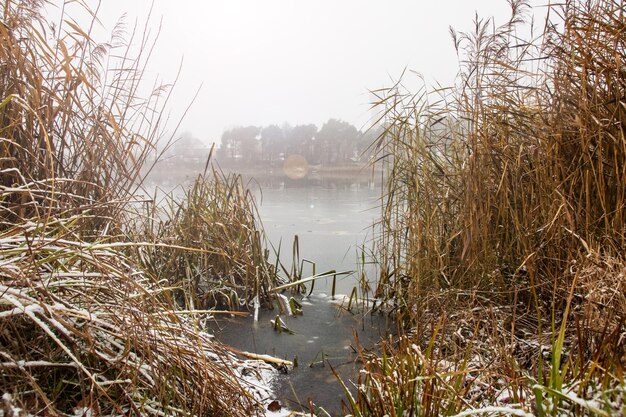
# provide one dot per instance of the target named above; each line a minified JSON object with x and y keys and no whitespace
{"x":336,"y":142}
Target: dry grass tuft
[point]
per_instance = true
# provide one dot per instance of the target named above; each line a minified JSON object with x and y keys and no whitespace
{"x":602,"y":288}
{"x":81,"y":327}
{"x":210,"y":245}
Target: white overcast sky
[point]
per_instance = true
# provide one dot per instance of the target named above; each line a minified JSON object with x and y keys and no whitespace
{"x":266,"y":62}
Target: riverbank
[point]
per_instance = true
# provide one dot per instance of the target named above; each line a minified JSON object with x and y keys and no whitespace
{"x":177,"y":171}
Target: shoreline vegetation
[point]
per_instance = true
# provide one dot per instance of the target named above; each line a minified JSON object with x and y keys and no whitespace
{"x":502,"y":234}
{"x":500,"y":244}
{"x":173,"y":172}
{"x":101,"y":295}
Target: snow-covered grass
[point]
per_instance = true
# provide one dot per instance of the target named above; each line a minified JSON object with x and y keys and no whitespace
{"x":114,"y":344}
{"x":90,"y":317}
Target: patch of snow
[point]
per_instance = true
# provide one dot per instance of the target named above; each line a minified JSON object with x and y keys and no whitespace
{"x":259,"y":377}
{"x":83,"y":412}
{"x":506,"y":410}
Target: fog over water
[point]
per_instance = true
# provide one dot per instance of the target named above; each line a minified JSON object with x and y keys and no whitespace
{"x":275,"y":61}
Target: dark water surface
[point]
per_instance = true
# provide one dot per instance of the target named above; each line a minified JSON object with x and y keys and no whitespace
{"x":322,"y":337}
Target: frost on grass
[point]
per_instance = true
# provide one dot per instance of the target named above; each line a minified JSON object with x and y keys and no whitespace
{"x":114,"y":330}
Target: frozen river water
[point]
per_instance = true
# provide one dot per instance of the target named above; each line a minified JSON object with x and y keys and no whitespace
{"x":332,"y":218}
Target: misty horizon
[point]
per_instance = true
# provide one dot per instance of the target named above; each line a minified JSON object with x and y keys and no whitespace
{"x":277,"y":62}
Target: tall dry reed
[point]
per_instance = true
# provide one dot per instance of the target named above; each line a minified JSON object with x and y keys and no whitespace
{"x":504,"y":208}
{"x":497,"y":184}
{"x":74,"y":133}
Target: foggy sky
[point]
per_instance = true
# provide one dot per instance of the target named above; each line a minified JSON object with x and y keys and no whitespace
{"x":264,"y":62}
